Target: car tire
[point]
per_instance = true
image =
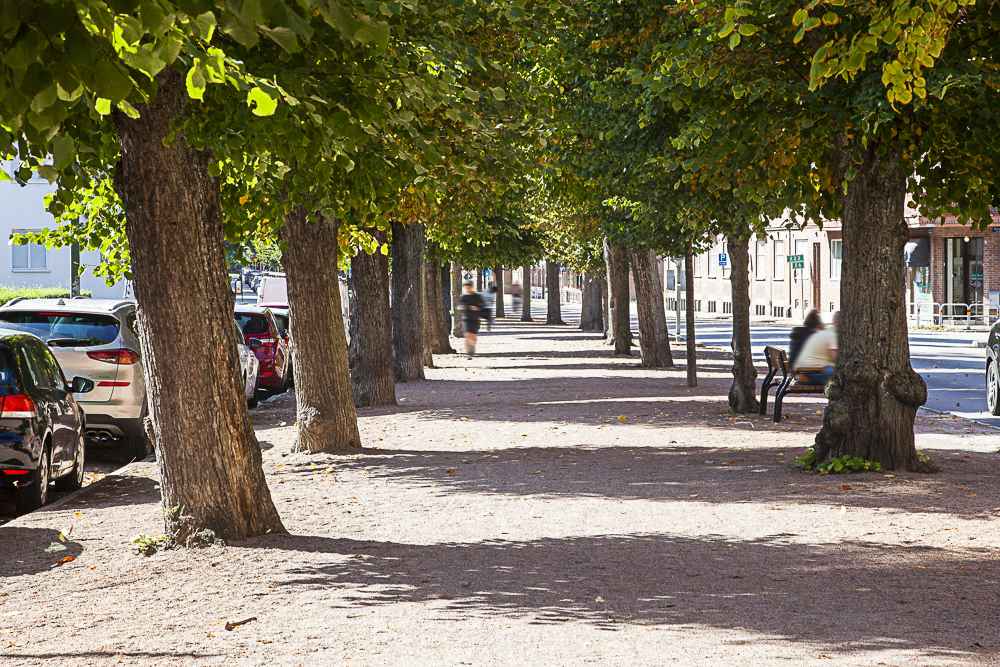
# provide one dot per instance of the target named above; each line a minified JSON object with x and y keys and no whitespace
{"x":35,"y":493}
{"x":254,"y":399}
{"x":74,"y":480}
{"x":993,"y":389}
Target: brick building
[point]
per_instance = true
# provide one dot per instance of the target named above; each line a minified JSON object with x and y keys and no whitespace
{"x":963,"y":265}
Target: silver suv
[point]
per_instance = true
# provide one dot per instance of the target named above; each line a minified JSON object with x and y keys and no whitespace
{"x":95,"y":339}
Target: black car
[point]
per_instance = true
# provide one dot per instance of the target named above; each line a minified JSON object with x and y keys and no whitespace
{"x":41,"y":424}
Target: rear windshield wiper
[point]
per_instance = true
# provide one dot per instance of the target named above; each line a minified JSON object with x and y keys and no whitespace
{"x":62,"y":342}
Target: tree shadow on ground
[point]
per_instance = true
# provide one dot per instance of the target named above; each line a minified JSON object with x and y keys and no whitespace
{"x":680,"y":473}
{"x":789,"y":591}
{"x":22,"y":550}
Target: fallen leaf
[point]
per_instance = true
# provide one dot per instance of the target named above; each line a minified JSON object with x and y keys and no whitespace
{"x":735,"y":462}
{"x":846,"y":487}
{"x":452,"y":472}
{"x":55,"y":546}
{"x":15,"y":613}
{"x":970,"y":495}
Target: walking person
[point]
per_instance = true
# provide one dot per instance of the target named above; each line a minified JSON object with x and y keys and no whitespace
{"x":489,"y":298}
{"x":473,"y":308}
{"x":819,"y":351}
{"x":515,"y":296}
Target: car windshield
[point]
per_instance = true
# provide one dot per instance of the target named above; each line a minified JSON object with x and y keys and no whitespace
{"x":252,"y":324}
{"x":65,"y":329}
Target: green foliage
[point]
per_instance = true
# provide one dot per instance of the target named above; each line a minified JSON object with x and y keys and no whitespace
{"x":147,"y":545}
{"x":10,"y":292}
{"x":840,"y":464}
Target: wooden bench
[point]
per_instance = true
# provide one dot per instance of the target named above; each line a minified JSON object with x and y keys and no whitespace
{"x":777,"y":362}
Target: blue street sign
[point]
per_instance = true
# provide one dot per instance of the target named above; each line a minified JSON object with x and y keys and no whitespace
{"x":723,"y":260}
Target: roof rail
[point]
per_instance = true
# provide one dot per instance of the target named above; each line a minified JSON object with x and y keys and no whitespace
{"x":127,"y":302}
{"x":16,"y":300}
{"x":81,"y":296}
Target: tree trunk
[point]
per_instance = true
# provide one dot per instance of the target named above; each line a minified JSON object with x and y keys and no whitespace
{"x":209,"y":460}
{"x":437,"y":329}
{"x":456,"y":292}
{"x":605,"y":307}
{"x":407,"y":301}
{"x":323,"y":400}
{"x":654,"y":341}
{"x":426,"y":290}
{"x":591,"y":315}
{"x":743,"y":392}
{"x":692,"y":360}
{"x":370,"y":353}
{"x":620,"y":330}
{"x":874,"y":393}
{"x":500,"y":310}
{"x":526,"y":297}
{"x":553,"y":314}
{"x":479,"y":280}
{"x":445,"y":282}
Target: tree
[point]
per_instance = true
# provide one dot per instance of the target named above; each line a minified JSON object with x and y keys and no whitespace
{"x":743,"y":392}
{"x":372,"y":374}
{"x":654,"y":341}
{"x":408,"y":300}
{"x":553,"y":313}
{"x":619,"y":325}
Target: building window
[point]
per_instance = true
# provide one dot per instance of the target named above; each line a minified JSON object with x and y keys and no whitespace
{"x":761,"y":260}
{"x":709,"y":257}
{"x":801,"y":248}
{"x":711,"y":306}
{"x":696,"y":261}
{"x":779,"y":260}
{"x":836,"y":257}
{"x":29,"y":257}
{"x":727,"y":307}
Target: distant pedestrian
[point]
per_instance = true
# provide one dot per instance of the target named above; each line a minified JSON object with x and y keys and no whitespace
{"x":515,"y":295}
{"x":473,"y":308}
{"x":489,"y":298}
{"x":799,"y":336}
{"x":819,"y":351}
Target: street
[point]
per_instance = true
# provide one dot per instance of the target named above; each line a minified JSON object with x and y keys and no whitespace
{"x":954,"y":370}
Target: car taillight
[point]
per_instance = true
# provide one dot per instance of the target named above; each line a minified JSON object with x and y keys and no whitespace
{"x":17,"y":407}
{"x":123,"y":356}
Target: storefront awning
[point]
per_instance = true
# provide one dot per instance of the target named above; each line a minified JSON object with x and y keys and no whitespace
{"x":918,"y":252}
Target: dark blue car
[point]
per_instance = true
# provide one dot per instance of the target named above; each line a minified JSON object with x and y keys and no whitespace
{"x":41,"y":424}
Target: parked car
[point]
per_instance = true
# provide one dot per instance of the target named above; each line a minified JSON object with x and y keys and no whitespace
{"x":95,"y":339}
{"x":249,"y":367}
{"x":41,"y":423}
{"x":272,"y":292}
{"x":992,"y":371}
{"x":259,"y":324}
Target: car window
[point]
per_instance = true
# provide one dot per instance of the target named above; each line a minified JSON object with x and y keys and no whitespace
{"x":282,"y":323}
{"x":8,"y":376}
{"x":45,"y":365}
{"x":132,"y":323}
{"x":37,"y":379}
{"x":64,"y":329}
{"x":253,"y":324}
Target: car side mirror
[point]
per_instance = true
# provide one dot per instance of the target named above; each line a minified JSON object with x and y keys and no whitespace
{"x":81,"y":385}
{"x":253,"y":343}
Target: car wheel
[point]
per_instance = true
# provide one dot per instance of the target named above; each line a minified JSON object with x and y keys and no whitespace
{"x":993,"y":389}
{"x":74,"y":480}
{"x":35,"y":493}
{"x":254,"y":399}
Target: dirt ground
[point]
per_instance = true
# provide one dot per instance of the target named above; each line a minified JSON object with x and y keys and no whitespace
{"x":543,"y":504}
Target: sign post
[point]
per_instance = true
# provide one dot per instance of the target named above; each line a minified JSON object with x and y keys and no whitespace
{"x":798,"y":261}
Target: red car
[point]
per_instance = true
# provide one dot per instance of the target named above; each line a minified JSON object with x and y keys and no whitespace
{"x":271,"y":348}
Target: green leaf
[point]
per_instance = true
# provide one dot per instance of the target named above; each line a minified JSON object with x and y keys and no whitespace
{"x":851,"y":173}
{"x":747,"y":29}
{"x":206,"y":24}
{"x":726,"y":29}
{"x":102,"y":106}
{"x":498,"y":93}
{"x":63,"y":149}
{"x":196,"y":82}
{"x":265,"y":104}
{"x":734,"y":40}
{"x":799,"y":17}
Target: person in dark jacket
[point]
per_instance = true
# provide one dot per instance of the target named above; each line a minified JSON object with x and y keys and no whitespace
{"x":473,"y":308}
{"x":799,"y":335}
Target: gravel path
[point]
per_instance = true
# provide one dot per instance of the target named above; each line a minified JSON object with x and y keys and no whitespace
{"x":543,"y":504}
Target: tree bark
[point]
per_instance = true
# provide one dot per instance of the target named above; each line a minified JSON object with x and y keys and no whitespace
{"x":874,"y":393}
{"x":605,"y":307}
{"x":743,"y":392}
{"x":407,"y":307}
{"x":437,"y":325}
{"x":456,"y":292}
{"x":426,"y":291}
{"x":692,"y":359}
{"x":526,"y":297}
{"x":654,"y":341}
{"x":211,"y":479}
{"x":445,"y":288}
{"x":591,"y":308}
{"x":553,"y":314}
{"x":372,"y":376}
{"x":500,"y":310}
{"x":324,"y":402}
{"x":620,"y":329}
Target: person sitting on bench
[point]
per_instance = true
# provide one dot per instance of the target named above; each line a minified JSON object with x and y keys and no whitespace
{"x":819,"y":351}
{"x":799,"y":336}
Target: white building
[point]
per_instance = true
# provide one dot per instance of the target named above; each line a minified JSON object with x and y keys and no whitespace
{"x":22,"y":209}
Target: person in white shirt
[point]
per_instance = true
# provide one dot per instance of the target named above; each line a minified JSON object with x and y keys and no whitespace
{"x":489,"y":296}
{"x":819,"y":351}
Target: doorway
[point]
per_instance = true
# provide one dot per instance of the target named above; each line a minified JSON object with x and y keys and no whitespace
{"x":964,"y":272}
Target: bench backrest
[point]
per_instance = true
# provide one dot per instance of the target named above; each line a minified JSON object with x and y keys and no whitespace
{"x":777,"y":359}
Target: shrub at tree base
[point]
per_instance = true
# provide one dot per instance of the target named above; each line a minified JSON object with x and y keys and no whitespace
{"x":10,"y":292}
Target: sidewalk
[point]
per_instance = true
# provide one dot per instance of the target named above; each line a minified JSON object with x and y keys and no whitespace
{"x":543,"y":504}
